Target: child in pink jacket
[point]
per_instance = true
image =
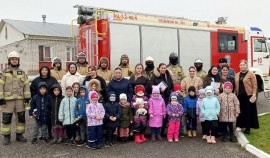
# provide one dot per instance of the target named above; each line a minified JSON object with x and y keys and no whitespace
{"x":157,"y":111}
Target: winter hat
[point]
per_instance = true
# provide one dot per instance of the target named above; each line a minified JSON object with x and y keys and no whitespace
{"x":104,"y":60}
{"x":201,"y":91}
{"x":191,"y":88}
{"x":139,"y":101}
{"x":177,"y":87}
{"x":174,"y":97}
{"x":94,"y":95}
{"x":155,"y":89}
{"x":112,"y":96}
{"x":123,"y":96}
{"x":228,"y":84}
{"x":139,"y":88}
{"x":209,"y":89}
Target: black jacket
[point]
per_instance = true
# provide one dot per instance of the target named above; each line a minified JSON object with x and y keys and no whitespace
{"x":41,"y":106}
{"x":49,"y":81}
{"x":55,"y":102}
{"x":140,"y":81}
{"x":157,"y":78}
{"x":112,"y":109}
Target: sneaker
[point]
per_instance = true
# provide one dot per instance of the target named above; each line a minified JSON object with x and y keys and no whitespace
{"x":176,"y":140}
{"x":34,"y":141}
{"x":107,"y":145}
{"x":170,"y":140}
{"x":72,"y":142}
{"x":67,"y":141}
{"x":98,"y":147}
{"x":204,"y":136}
{"x":238,"y":129}
{"x":112,"y":144}
{"x":81,"y":143}
{"x":92,"y":148}
{"x":60,"y":139}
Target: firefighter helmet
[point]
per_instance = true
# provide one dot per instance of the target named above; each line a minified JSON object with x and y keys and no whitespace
{"x":56,"y":60}
{"x":173,"y":55}
{"x":198,"y":61}
{"x":13,"y":54}
{"x":124,"y":56}
{"x":81,"y":55}
{"x":149,"y":59}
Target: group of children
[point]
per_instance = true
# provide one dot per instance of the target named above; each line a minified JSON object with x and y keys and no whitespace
{"x":82,"y":112}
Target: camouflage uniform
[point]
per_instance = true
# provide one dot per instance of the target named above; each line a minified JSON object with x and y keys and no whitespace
{"x":178,"y":73}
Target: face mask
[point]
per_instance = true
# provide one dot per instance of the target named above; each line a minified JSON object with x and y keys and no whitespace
{"x":174,"y":61}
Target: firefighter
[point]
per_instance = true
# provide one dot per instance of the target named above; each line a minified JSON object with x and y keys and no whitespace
{"x":14,"y":95}
{"x":178,"y":72}
{"x":199,"y":67}
{"x":149,"y":68}
{"x":82,"y":64}
{"x":127,"y":70}
{"x":57,"y":72}
{"x":103,"y":70}
{"x":223,"y":61}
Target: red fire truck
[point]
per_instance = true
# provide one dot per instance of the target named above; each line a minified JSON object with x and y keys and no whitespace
{"x":111,"y":33}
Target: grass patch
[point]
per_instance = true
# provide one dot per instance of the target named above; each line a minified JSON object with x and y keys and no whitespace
{"x":260,"y":138}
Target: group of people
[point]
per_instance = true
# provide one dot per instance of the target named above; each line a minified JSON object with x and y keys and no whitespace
{"x":77,"y":106}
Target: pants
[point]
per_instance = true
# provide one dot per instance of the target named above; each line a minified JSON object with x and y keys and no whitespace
{"x":44,"y":130}
{"x":58,"y":131}
{"x":173,"y":130}
{"x":70,"y":131}
{"x":83,"y":129}
{"x":139,"y":124}
{"x":124,"y":132}
{"x":211,"y":127}
{"x":203,"y":128}
{"x":155,"y":130}
{"x":95,"y":135}
{"x":191,"y":123}
{"x":224,"y":126}
{"x":12,"y":106}
{"x":110,"y":138}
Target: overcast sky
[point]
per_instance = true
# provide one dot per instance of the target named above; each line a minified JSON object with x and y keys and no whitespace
{"x":239,"y":12}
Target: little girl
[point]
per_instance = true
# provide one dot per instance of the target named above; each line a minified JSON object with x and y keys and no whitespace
{"x":229,"y":110}
{"x":95,"y":114}
{"x":199,"y":113}
{"x":126,"y":117}
{"x":94,"y":85}
{"x":210,"y":109}
{"x":174,"y":111}
{"x":157,"y":111}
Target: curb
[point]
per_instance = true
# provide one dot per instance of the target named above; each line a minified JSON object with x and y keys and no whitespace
{"x":242,"y":140}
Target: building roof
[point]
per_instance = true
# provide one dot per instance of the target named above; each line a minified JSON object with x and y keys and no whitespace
{"x":41,"y":28}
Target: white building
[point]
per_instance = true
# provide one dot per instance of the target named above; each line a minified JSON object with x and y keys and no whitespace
{"x":37,"y":43}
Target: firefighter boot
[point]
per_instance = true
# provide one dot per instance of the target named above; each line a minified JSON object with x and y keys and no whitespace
{"x":20,"y":138}
{"x":6,"y":140}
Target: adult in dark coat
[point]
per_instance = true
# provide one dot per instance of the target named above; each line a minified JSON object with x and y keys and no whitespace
{"x":140,"y":78}
{"x":163,"y":74}
{"x":120,"y":85}
{"x":44,"y":76}
{"x":93,"y":75}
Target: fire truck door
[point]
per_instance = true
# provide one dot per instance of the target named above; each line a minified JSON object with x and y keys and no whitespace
{"x":260,"y":55}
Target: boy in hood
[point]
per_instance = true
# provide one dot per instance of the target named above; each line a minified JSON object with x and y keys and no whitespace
{"x":80,"y":113}
{"x":41,"y":110}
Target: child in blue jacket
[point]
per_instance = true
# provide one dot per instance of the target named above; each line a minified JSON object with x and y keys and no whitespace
{"x":190,"y":111}
{"x":80,"y":114}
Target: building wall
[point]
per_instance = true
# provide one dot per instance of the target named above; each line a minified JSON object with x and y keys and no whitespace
{"x":30,"y":55}
{"x":12,"y":35}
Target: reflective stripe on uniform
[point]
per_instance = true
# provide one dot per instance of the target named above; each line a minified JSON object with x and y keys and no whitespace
{"x":6,"y":129}
{"x":20,"y":76}
{"x":2,"y":81}
{"x":20,"y":97}
{"x":20,"y":128}
{"x":1,"y":93}
{"x":26,"y":82}
{"x":27,"y":93}
{"x":7,"y":74}
{"x":9,"y":98}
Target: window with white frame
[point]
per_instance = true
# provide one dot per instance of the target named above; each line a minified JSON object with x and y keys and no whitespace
{"x":44,"y":53}
{"x":71,"y":56}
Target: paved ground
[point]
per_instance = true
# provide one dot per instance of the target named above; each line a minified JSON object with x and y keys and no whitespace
{"x":186,"y":147}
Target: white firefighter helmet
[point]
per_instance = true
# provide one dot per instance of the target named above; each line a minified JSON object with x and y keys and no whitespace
{"x":82,"y":55}
{"x":56,"y":60}
{"x":13,"y":54}
{"x":197,"y":61}
{"x":149,"y":58}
